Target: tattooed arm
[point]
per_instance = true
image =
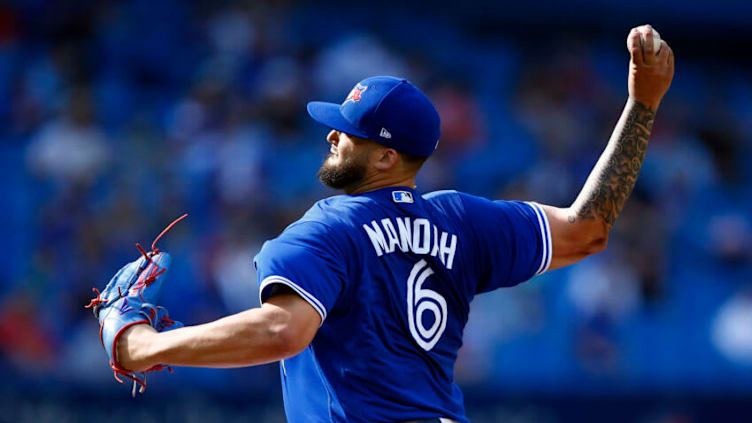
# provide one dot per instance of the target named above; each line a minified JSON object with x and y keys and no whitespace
{"x":582,"y":229}
{"x":615,"y":174}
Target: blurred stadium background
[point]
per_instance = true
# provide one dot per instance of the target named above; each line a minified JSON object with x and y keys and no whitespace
{"x":116,"y":117}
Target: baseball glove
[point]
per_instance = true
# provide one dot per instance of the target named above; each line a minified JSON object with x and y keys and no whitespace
{"x":129,"y":299}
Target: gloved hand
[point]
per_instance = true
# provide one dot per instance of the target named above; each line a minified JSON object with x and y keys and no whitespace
{"x":129,"y":299}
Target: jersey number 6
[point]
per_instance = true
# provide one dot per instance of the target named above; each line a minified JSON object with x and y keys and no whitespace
{"x":420,"y":300}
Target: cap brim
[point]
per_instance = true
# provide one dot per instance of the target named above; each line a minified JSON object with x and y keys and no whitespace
{"x":328,"y":114}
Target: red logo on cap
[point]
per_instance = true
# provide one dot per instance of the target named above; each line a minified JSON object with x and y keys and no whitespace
{"x":356,"y":93}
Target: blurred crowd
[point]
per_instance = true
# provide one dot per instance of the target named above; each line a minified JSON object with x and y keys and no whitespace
{"x":118,"y":117}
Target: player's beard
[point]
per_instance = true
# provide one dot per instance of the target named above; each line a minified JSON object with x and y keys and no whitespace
{"x":349,"y":172}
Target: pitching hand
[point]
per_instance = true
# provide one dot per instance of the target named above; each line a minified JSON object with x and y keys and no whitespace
{"x":650,"y":74}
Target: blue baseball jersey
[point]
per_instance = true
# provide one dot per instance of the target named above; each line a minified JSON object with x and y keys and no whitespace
{"x":392,"y":274}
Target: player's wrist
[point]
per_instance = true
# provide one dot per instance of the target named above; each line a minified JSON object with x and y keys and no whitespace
{"x":651,"y":105}
{"x":133,"y":348}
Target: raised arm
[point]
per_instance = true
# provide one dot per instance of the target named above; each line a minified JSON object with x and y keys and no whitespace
{"x":582,"y":229}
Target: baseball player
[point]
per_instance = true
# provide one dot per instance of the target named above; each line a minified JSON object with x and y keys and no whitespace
{"x":365,"y":298}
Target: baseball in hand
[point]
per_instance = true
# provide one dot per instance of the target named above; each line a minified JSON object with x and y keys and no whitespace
{"x":656,"y":38}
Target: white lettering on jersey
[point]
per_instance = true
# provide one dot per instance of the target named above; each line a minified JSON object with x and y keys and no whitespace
{"x":377,"y":237}
{"x":447,"y":251}
{"x":421,"y":225}
{"x":405,"y":234}
{"x":391,"y":233}
{"x":420,"y":237}
{"x":435,"y":249}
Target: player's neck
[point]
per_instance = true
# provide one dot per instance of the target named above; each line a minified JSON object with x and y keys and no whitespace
{"x":381,"y":181}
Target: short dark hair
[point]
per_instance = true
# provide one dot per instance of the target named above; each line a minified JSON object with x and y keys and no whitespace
{"x":412,"y":160}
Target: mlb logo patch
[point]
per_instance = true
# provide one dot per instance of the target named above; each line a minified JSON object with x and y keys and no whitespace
{"x":402,"y":196}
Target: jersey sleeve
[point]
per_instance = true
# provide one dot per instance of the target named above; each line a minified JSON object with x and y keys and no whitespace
{"x":306,"y":259}
{"x":513,"y":241}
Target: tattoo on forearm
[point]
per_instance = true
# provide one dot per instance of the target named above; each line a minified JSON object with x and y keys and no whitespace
{"x":615,"y":174}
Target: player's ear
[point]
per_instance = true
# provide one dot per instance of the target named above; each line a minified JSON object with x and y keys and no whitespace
{"x":386,"y":158}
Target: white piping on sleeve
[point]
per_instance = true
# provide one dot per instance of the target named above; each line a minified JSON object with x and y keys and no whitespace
{"x":313,"y":301}
{"x":545,"y":231}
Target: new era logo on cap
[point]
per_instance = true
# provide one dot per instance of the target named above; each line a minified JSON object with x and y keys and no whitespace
{"x":381,"y":102}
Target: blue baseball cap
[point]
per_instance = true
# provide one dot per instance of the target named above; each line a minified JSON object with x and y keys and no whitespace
{"x":391,"y":111}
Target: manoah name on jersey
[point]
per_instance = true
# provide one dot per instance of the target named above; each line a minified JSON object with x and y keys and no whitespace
{"x":418,"y":236}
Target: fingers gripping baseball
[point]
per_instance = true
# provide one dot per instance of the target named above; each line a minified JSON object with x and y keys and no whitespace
{"x":651,"y":70}
{"x":633,"y":45}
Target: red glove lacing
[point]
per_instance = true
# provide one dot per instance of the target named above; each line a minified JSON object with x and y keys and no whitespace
{"x":141,"y":283}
